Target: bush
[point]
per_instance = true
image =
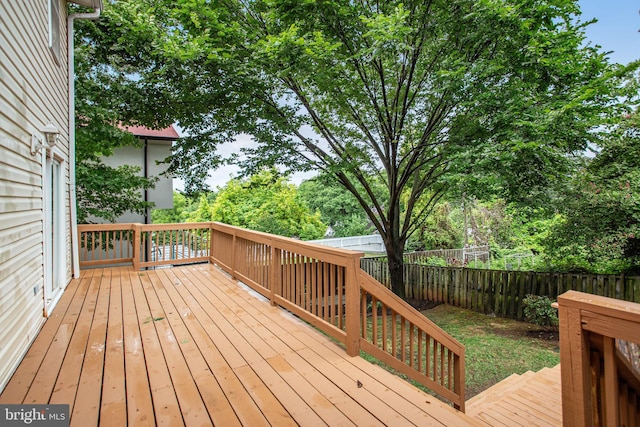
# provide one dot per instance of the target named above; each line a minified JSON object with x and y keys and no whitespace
{"x":538,"y":310}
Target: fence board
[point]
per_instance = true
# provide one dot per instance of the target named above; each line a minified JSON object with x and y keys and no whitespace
{"x":497,"y":291}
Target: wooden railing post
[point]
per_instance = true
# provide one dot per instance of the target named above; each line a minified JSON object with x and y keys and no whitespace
{"x":137,"y":251}
{"x":352,"y":307}
{"x":575,"y":368}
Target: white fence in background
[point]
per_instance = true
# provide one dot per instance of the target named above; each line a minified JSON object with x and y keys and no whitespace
{"x":370,"y":243}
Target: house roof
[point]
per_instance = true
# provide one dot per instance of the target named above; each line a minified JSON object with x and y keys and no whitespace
{"x":141,"y":131}
{"x":94,"y":4}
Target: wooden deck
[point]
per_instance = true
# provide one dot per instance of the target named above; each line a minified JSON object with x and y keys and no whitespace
{"x":189,"y":346}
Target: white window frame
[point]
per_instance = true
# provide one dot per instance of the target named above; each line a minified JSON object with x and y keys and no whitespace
{"x":54,"y":29}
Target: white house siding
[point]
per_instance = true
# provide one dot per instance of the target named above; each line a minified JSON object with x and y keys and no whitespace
{"x":33,"y":91}
{"x":157,"y":150}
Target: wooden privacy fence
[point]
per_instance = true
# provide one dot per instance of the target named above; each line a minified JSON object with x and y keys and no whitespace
{"x":322,"y":285}
{"x":496,"y":291}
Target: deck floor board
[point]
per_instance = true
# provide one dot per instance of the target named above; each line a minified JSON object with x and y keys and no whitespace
{"x":190,"y":346}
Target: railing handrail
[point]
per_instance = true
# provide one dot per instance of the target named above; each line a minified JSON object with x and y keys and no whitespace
{"x":337,"y":256}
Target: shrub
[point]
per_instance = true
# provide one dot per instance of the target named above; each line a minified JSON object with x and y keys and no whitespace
{"x":538,"y":310}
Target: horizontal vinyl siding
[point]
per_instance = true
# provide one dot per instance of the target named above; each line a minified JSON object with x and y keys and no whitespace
{"x":33,"y":92}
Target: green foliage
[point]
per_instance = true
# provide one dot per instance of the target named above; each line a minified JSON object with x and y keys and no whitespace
{"x":203,"y":213}
{"x":599,"y":227}
{"x":436,"y":261}
{"x":538,"y":310}
{"x":438,"y":230}
{"x":266,"y":202}
{"x":485,"y":98}
{"x":103,"y":99}
{"x":107,"y":192}
{"x":338,"y":208}
{"x":182,"y":206}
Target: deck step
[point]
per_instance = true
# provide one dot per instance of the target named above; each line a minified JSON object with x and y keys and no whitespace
{"x":533,"y":398}
{"x":496,"y":391}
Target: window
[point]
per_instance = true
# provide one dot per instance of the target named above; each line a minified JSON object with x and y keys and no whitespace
{"x":54,"y":29}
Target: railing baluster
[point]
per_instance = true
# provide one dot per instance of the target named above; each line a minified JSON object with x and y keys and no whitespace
{"x":374,"y":321}
{"x":411,"y":346}
{"x":384,"y":328}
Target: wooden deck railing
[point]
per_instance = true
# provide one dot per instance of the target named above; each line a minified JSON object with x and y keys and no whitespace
{"x":392,"y":331}
{"x":322,"y":285}
{"x":600,"y":385}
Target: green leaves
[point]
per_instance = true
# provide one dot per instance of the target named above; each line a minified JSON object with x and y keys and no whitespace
{"x":266,"y":202}
{"x":487,"y":98}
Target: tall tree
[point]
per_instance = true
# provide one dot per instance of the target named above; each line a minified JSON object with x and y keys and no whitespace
{"x":417,"y":94}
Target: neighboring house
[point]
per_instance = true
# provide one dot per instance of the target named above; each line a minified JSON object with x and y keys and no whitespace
{"x":37,"y":194}
{"x":156,"y":147}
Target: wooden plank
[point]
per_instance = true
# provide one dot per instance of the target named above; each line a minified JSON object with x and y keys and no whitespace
{"x":274,"y":412}
{"x":208,"y":390}
{"x":318,"y":396}
{"x":532,"y":409}
{"x":518,"y":413}
{"x":260,"y":356}
{"x":113,"y":409}
{"x":496,"y":419}
{"x":205,"y":290}
{"x":191,"y":407}
{"x":576,"y":400}
{"x":139,"y":398}
{"x":610,"y":404}
{"x":43,"y":360}
{"x":87,"y":404}
{"x":66,"y":385}
{"x":307,"y":372}
{"x":207,"y":335}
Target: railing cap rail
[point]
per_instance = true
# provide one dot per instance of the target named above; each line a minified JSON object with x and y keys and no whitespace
{"x":286,"y":243}
{"x":602,"y":305}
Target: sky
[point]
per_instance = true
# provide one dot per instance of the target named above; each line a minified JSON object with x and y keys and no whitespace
{"x":616,"y":31}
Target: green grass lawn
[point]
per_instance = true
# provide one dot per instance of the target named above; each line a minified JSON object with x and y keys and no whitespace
{"x":494,"y":347}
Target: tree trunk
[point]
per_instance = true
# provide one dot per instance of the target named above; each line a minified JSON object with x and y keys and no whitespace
{"x":396,"y":262}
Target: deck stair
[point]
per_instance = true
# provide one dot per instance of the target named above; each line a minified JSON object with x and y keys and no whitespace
{"x":529,"y":399}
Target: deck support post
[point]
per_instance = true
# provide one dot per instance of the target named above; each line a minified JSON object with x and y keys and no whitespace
{"x":137,"y":250}
{"x":352,"y":304}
